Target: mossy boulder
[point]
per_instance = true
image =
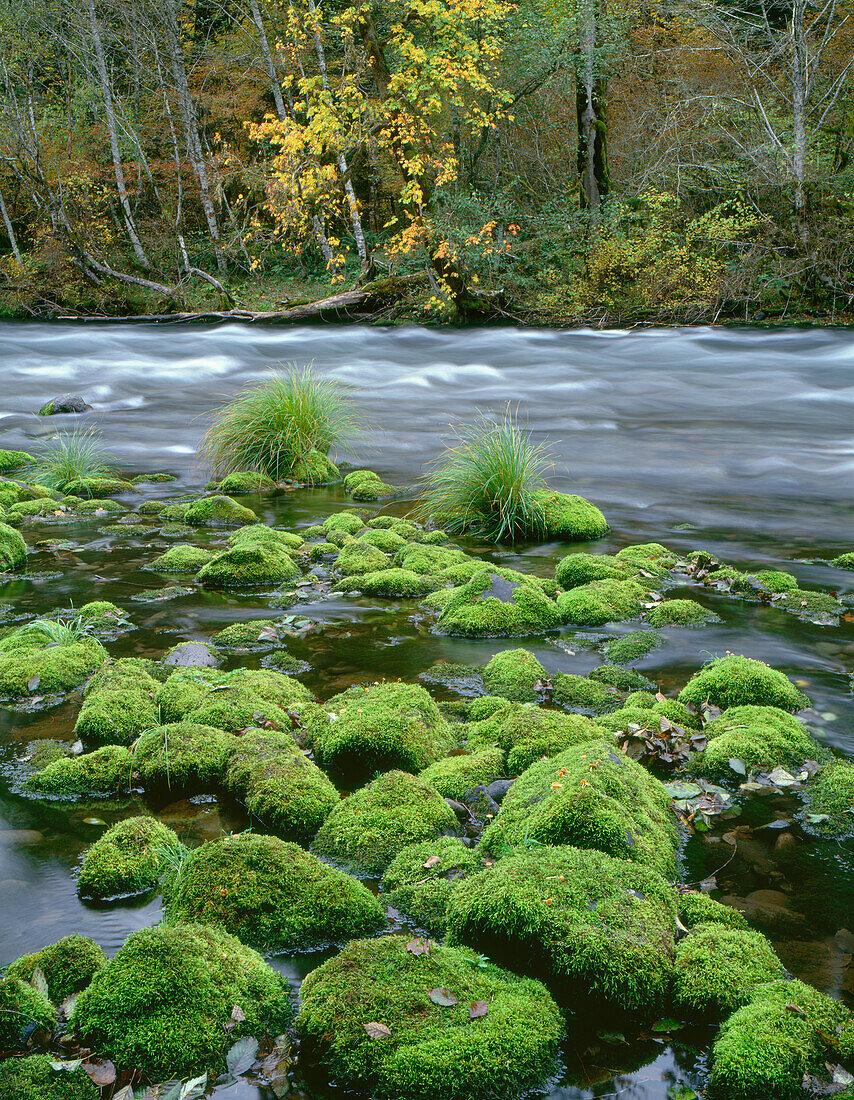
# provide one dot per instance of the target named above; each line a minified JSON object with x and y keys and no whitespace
{"x":105,"y":771}
{"x":217,"y":511}
{"x":600,"y":602}
{"x":490,"y":606}
{"x":631,"y":647}
{"x":651,"y":557}
{"x":367,"y":830}
{"x":183,"y":557}
{"x":366,"y":485}
{"x":161,"y":1004}
{"x":118,"y":705}
{"x":698,"y":908}
{"x":46,"y":669}
{"x":590,"y":926}
{"x":279,"y":785}
{"x":589,"y":796}
{"x":420,"y":558}
{"x":734,"y":681}
{"x":761,"y":738}
{"x":13,"y":549}
{"x":623,"y":679}
{"x":844,"y":561}
{"x":392,"y":583}
{"x":348,"y":523}
{"x":68,"y":966}
{"x":246,"y":481}
{"x":259,"y":534}
{"x":183,"y":756}
{"x":35,"y":1078}
{"x":578,"y":569}
{"x":256,"y":634}
{"x":271,"y":894}
{"x":314,"y":468}
{"x":422,"y":1049}
{"x":579,"y":693}
{"x":533,"y":733}
{"x":717,"y":969}
{"x":570,"y":518}
{"x":419,"y":880}
{"x":387,"y":541}
{"x":128,"y":859}
{"x":22,"y":1008}
{"x":829,"y":800}
{"x":356,"y":557}
{"x":102,"y":617}
{"x":246,"y":564}
{"x":184,"y":689}
{"x":513,"y":674}
{"x":382,"y":726}
{"x":786,"y":1030}
{"x":15,"y":460}
{"x":89,"y":487}
{"x":681,"y":613}
{"x":455,"y":775}
{"x":245,"y":698}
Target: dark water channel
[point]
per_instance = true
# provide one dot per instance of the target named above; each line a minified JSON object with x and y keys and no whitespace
{"x":740,"y":443}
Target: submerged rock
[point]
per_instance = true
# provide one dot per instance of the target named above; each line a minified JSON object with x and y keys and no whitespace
{"x":65,"y":404}
{"x":68,"y":966}
{"x":128,"y":859}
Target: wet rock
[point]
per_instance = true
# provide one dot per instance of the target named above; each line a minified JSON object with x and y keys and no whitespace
{"x":479,"y":801}
{"x":190,"y":655}
{"x":459,"y":809}
{"x":67,"y":403}
{"x":770,"y":911}
{"x":499,"y":788}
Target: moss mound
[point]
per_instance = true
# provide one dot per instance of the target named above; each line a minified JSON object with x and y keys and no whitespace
{"x":105,"y":771}
{"x":245,"y":698}
{"x":532,"y":733}
{"x":584,"y":923}
{"x":356,"y":557}
{"x":34,"y":1078}
{"x":570,"y":518}
{"x":424,"y":1049}
{"x":119,"y":704}
{"x":21,"y":1009}
{"x":183,"y":756}
{"x":217,"y":511}
{"x":577,"y":569}
{"x":733,"y":681}
{"x":68,"y":966}
{"x":366,"y":485}
{"x":829,"y":800}
{"x":272,"y":894}
{"x":681,"y":613}
{"x":246,"y":481}
{"x":787,"y":1029}
{"x":491,"y":606}
{"x":246,"y":564}
{"x":844,"y":561}
{"x":347,"y":522}
{"x":386,"y":540}
{"x":583,"y":694}
{"x":420,"y":558}
{"x":314,"y":468}
{"x":513,"y":674}
{"x":455,"y":775}
{"x":13,"y":549}
{"x":161,"y":1004}
{"x":606,"y":601}
{"x":420,"y":879}
{"x":15,"y":460}
{"x":367,"y":830}
{"x":718,"y":968}
{"x":402,"y":583}
{"x":183,"y":557}
{"x":383,"y":726}
{"x":589,"y":796}
{"x":696,"y":908}
{"x":128,"y":859}
{"x":760,"y":737}
{"x":623,"y":679}
{"x":632,"y":647}
{"x":45,"y":669}
{"x":259,"y":534}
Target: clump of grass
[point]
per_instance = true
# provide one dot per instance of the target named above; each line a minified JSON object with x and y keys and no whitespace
{"x":47,"y":632}
{"x":69,"y":457}
{"x":270,"y":426}
{"x":487,"y":481}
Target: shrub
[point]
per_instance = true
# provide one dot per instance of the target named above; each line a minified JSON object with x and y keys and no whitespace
{"x":271,"y":426}
{"x":70,"y":457}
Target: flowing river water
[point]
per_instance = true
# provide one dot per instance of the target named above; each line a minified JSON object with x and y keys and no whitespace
{"x":738,"y":442}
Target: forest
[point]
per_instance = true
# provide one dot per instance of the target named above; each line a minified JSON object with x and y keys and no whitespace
{"x":550,"y":162}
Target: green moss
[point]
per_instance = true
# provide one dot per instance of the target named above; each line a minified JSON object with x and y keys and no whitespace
{"x":489,"y":706}
{"x":43,"y":752}
{"x":13,"y":549}
{"x":591,"y":797}
{"x":513,"y":674}
{"x":257,"y":634}
{"x":160,"y":1004}
{"x":126,"y":530}
{"x":34,"y":1078}
{"x":420,"y":558}
{"x":810,"y":605}
{"x":830,"y":798}
{"x":249,"y":563}
{"x":588,"y":925}
{"x":570,"y":518}
{"x":532,"y":733}
{"x":648,"y":715}
{"x":608,"y":601}
{"x":766,"y":580}
{"x":431,"y":1050}
{"x":279,"y":784}
{"x":152,"y":507}
{"x":51,"y":669}
{"x":128,"y":859}
{"x":182,"y":558}
{"x":681,"y":613}
{"x":652,"y":557}
{"x":420,"y":880}
{"x":44,"y":506}
{"x":246,"y":481}
{"x":632,"y":647}
{"x":515,"y":609}
{"x":68,"y":966}
{"x":216,"y":511}
{"x":323,"y":551}
{"x":764,"y":1049}
{"x":844,"y":561}
{"x":463,"y":572}
{"x":101,"y":616}
{"x":314,"y":468}
{"x":717,"y":969}
{"x":119,"y":705}
{"x":577,"y":569}
{"x":760,"y":737}
{"x":184,"y":756}
{"x":184,"y":689}
{"x":347,"y":522}
{"x":581,"y":694}
{"x":366,"y":485}
{"x":697,"y":908}
{"x":272,"y":894}
{"x":383,"y":726}
{"x":356,"y":557}
{"x":401,"y":583}
{"x":733,"y":681}
{"x":105,"y":771}
{"x":21,"y":1009}
{"x":94,"y":507}
{"x":623,"y":679}
{"x":260,"y":534}
{"x":15,"y":460}
{"x":387,"y":541}
{"x":285,"y":663}
{"x":158,"y":477}
{"x":367,"y":830}
{"x":455,"y":775}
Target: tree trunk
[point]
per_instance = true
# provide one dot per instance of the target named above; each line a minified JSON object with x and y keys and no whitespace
{"x":10,"y":231}
{"x":798,"y":65}
{"x":592,"y":129}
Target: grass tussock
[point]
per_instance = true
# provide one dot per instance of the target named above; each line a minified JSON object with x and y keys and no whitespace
{"x":70,"y":456}
{"x":486,"y":481}
{"x":270,"y":426}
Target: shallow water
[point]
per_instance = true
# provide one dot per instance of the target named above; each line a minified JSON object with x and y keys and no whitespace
{"x":736,"y":442}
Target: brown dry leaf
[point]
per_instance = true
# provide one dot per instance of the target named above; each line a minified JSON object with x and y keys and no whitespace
{"x":103,"y":1073}
{"x":478,"y":1009}
{"x":238,"y":1015}
{"x":431,"y":862}
{"x":377,"y":1031}
{"x":444,"y":998}
{"x":418,"y":947}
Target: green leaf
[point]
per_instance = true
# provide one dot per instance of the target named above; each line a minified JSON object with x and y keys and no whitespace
{"x":39,"y":983}
{"x":738,"y":766}
{"x":682,"y":790}
{"x":442,"y":997}
{"x":681,"y":1092}
{"x":241,"y":1056}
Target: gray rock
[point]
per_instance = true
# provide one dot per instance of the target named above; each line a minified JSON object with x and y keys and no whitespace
{"x":498,"y":788}
{"x":67,"y":403}
{"x":480,"y":802}
{"x":459,"y":809}
{"x":501,"y":589}
{"x":192,"y":655}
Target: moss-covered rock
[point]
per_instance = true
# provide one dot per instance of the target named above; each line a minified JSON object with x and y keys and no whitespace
{"x":128,"y":859}
{"x":257,"y":634}
{"x":367,"y":830}
{"x":183,"y":756}
{"x":765,"y":580}
{"x":579,"y":693}
{"x":811,"y":605}
{"x":533,"y":733}
{"x":68,"y":966}
{"x":844,"y":561}
{"x":651,"y":557}
{"x":589,"y":796}
{"x":348,"y":523}
{"x":285,"y":663}
{"x":246,"y":564}
{"x":577,"y":569}
{"x":356,"y":557}
{"x":717,"y":969}
{"x":570,"y":518}
{"x":586,"y":924}
{"x":421,"y":558}
{"x":13,"y":549}
{"x":246,"y":481}
{"x":697,"y":908}
{"x":279,"y":785}
{"x":829,"y":800}
{"x":160,"y":1005}
{"x":787,"y":1029}
{"x":383,"y":726}
{"x":623,"y":679}
{"x":632,"y":647}
{"x":455,"y":775}
{"x":315,"y":468}
{"x":35,"y":1078}
{"x":272,"y":894}
{"x":216,"y":511}
{"x":119,"y":704}
{"x":387,"y":541}
{"x":400,"y":583}
{"x":599,"y":602}
{"x":184,"y":689}
{"x":105,"y":771}
{"x":734,"y":681}
{"x":420,"y":880}
{"x":183,"y":557}
{"x":762,"y":738}
{"x":424,"y":1049}
{"x":365,"y":485}
{"x":490,"y":606}
{"x":681,"y":613}
{"x":260,"y":534}
{"x":513,"y":674}
{"x":46,"y":669}
{"x":101,"y":617}
{"x":15,"y":460}
{"x":21,"y":1009}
